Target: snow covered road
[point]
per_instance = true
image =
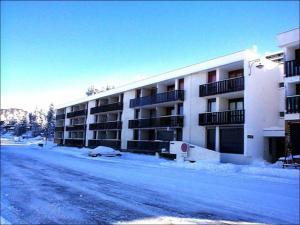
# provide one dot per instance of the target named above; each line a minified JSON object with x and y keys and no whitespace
{"x":61,"y":185}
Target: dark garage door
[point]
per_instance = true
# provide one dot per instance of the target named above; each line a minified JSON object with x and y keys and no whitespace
{"x":295,"y":138}
{"x":232,"y":140}
{"x":211,"y":138}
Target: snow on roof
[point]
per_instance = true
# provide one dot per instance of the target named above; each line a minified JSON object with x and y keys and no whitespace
{"x":177,"y":73}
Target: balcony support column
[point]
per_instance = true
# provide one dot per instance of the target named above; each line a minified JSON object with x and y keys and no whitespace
{"x":176,"y":84}
{"x":217,"y":139}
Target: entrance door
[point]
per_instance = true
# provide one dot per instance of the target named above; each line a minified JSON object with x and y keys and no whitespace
{"x":295,"y":140}
{"x":232,"y":140}
{"x":211,"y":138}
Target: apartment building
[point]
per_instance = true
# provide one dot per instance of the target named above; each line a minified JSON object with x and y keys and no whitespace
{"x":231,"y":105}
{"x":289,"y":42}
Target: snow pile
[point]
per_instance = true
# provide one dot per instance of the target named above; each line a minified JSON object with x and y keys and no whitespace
{"x":260,"y":168}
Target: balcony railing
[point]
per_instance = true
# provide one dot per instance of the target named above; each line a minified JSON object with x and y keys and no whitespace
{"x":106,"y":108}
{"x":220,"y":118}
{"x":75,"y":127}
{"x":108,"y":143}
{"x":77,"y":113}
{"x":75,"y":142}
{"x":60,"y":117}
{"x":59,"y":128}
{"x":221,"y":87}
{"x":292,"y":68}
{"x":166,"y":121}
{"x":177,"y":95}
{"x":106,"y":125}
{"x":148,"y":146}
{"x":293,"y":104}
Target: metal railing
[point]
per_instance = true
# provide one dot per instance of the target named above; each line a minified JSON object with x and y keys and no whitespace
{"x":165,"y":121}
{"x":220,"y":118}
{"x":75,"y":142}
{"x":60,"y":116}
{"x":108,"y":143}
{"x":220,"y":87}
{"x":106,"y":125}
{"x":148,"y":146}
{"x":293,"y":104}
{"x":107,"y":108}
{"x":177,"y":95}
{"x":77,"y":113}
{"x":75,"y":127}
{"x":292,"y":68}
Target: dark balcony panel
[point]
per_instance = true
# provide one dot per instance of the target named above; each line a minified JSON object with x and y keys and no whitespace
{"x":167,"y":121}
{"x":75,"y":142}
{"x":59,"y":141}
{"x":177,"y":95}
{"x":60,"y":117}
{"x":148,"y":146}
{"x":107,"y":108}
{"x":59,"y":128}
{"x":108,"y":143}
{"x":75,"y":127}
{"x":293,"y":104}
{"x":292,"y":68}
{"x":220,"y":87}
{"x":220,"y":118}
{"x":77,"y":113}
{"x":106,"y":126}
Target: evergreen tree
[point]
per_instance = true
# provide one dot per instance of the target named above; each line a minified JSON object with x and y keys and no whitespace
{"x":50,"y":126}
{"x":21,"y":127}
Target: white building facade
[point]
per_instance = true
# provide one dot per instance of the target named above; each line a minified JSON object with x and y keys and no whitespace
{"x":229,"y":105}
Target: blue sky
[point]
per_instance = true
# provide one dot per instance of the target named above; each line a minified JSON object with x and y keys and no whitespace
{"x":52,"y":51}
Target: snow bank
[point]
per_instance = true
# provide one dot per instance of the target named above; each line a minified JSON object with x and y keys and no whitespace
{"x":261,"y":168}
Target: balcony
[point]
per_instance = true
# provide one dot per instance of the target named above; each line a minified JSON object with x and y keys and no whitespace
{"x":59,"y":128}
{"x":77,"y":113}
{"x":292,"y":68}
{"x":221,"y":87}
{"x":106,"y":125}
{"x":293,"y":104}
{"x":166,"y":121}
{"x":177,"y":95}
{"x":75,"y":142}
{"x":75,"y":127}
{"x":148,"y":146}
{"x":222,"y":118}
{"x":108,"y":143}
{"x":107,"y":108}
{"x":60,"y":117}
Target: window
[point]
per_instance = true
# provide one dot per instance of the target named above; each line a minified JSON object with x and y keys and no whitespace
{"x":95,"y":135}
{"x":181,"y":84}
{"x":138,"y":93}
{"x":211,"y":105}
{"x":136,"y":114}
{"x":211,"y":76}
{"x":281,"y":84}
{"x":211,"y":139}
{"x":180,"y":109}
{"x":135,"y":134}
{"x":178,"y":134}
{"x":236,"y":104}
{"x":170,"y":111}
{"x":171,"y":87}
{"x":236,"y":73}
{"x":153,"y":91}
{"x":281,"y":114}
{"x":152,"y":113}
{"x":151,"y":135}
{"x":297,"y":89}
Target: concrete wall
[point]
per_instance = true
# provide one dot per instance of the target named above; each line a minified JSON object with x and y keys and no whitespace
{"x":128,"y":114}
{"x":192,"y":106}
{"x":261,"y":102}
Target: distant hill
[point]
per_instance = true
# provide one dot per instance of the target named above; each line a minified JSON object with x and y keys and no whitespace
{"x":13,"y":114}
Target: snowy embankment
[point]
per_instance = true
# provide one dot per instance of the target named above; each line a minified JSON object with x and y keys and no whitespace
{"x":168,"y":191}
